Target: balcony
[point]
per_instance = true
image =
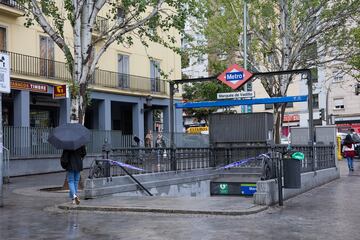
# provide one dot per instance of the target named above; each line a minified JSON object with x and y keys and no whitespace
{"x":101,"y":25}
{"x":44,"y":68}
{"x":11,"y":8}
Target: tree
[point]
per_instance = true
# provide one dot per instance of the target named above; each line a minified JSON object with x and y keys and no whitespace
{"x":282,"y":35}
{"x":355,"y":60}
{"x":148,"y":20}
{"x":202,"y":91}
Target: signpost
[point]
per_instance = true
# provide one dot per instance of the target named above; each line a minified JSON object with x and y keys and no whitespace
{"x":236,"y":77}
{"x":4,"y":88}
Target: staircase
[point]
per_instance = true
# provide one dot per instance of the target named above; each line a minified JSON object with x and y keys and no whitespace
{"x":236,"y":181}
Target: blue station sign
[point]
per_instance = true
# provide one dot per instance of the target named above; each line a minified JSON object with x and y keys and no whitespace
{"x":234,"y":76}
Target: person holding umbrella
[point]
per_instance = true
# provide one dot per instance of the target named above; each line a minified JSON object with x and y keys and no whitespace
{"x":71,"y":138}
{"x":73,"y":160}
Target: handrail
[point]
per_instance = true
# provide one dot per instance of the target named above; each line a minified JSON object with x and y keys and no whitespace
{"x":102,"y":170}
{"x":12,"y":3}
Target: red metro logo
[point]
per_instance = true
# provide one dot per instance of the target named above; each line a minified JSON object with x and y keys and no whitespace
{"x":235,"y":76}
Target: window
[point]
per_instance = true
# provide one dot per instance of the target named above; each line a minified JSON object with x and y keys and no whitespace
{"x":311,"y":51}
{"x":337,"y":77}
{"x":315,"y":100}
{"x":339,"y":103}
{"x":123,"y":71}
{"x":289,"y":105}
{"x":314,"y":74}
{"x":155,"y":75}
{"x":47,"y":64}
{"x":249,"y":87}
{"x":2,"y":38}
{"x":120,"y":14}
{"x":269,"y":106}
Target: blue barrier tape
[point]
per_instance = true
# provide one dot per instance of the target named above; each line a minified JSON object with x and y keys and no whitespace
{"x":124,"y":165}
{"x":243,"y":161}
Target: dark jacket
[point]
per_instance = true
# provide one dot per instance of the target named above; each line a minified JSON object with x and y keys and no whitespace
{"x":160,"y":143}
{"x":74,"y":159}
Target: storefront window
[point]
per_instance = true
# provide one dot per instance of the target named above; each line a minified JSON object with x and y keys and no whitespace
{"x":39,"y":118}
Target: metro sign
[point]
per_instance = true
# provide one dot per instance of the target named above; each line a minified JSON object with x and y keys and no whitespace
{"x":235,"y":76}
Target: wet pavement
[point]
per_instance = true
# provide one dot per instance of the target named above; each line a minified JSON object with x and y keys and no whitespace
{"x":331,"y":211}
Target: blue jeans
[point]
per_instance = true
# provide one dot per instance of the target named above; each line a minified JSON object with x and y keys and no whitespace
{"x":73,"y":180}
{"x":350,"y":162}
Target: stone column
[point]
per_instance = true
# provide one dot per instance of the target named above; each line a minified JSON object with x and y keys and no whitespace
{"x":149,"y":118}
{"x":166,"y":119}
{"x":138,"y":121}
{"x":22,"y":109}
{"x":178,"y":125}
{"x":64,"y":111}
{"x":22,"y":132}
{"x":105,"y":114}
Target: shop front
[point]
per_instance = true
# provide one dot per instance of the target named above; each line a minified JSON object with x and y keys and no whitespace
{"x":345,"y":127}
{"x":32,"y":105}
{"x":291,"y":120}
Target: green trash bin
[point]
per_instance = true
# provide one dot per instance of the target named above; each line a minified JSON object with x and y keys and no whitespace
{"x":292,"y":170}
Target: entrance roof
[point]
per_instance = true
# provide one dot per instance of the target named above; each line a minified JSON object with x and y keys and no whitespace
{"x":229,"y":103}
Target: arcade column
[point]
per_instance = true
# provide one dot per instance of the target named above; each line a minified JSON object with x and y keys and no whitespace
{"x":64,"y":111}
{"x":22,"y":109}
{"x":22,"y":132}
{"x":138,"y":120}
{"x":105,"y":114}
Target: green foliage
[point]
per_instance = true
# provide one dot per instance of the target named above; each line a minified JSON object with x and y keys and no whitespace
{"x":314,"y":29}
{"x":355,"y":60}
{"x":203,"y":91}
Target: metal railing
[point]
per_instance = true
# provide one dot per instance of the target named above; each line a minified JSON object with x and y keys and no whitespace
{"x":12,"y":3}
{"x":159,"y":159}
{"x":149,"y":159}
{"x":185,"y":140}
{"x":40,"y":67}
{"x":153,"y":160}
{"x":6,"y":165}
{"x":323,"y":154}
{"x":32,"y":142}
{"x":101,"y":25}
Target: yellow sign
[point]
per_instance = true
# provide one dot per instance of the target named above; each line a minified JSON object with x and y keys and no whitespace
{"x":59,"y":92}
{"x":338,"y":138}
{"x":197,"y":129}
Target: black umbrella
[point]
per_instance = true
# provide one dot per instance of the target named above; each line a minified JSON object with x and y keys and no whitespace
{"x":69,"y":136}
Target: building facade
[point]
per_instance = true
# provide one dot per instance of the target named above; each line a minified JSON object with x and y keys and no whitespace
{"x":127,"y":92}
{"x":334,"y":101}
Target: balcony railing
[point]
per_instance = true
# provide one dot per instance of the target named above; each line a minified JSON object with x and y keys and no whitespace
{"x":11,"y":3}
{"x":40,"y":67}
{"x":101,"y":25}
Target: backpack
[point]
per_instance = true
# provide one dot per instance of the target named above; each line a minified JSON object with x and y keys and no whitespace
{"x":64,"y":160}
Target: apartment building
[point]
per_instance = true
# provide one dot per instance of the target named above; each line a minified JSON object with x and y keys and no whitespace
{"x":334,"y":101}
{"x":337,"y":95}
{"x":126,"y":90}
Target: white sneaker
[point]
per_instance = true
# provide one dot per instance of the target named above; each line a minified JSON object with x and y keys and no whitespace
{"x":77,"y":200}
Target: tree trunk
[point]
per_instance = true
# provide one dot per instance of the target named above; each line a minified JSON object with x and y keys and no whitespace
{"x":78,"y":103}
{"x":279,"y":112}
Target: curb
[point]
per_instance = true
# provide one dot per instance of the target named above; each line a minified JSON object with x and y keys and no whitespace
{"x":254,"y":210}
